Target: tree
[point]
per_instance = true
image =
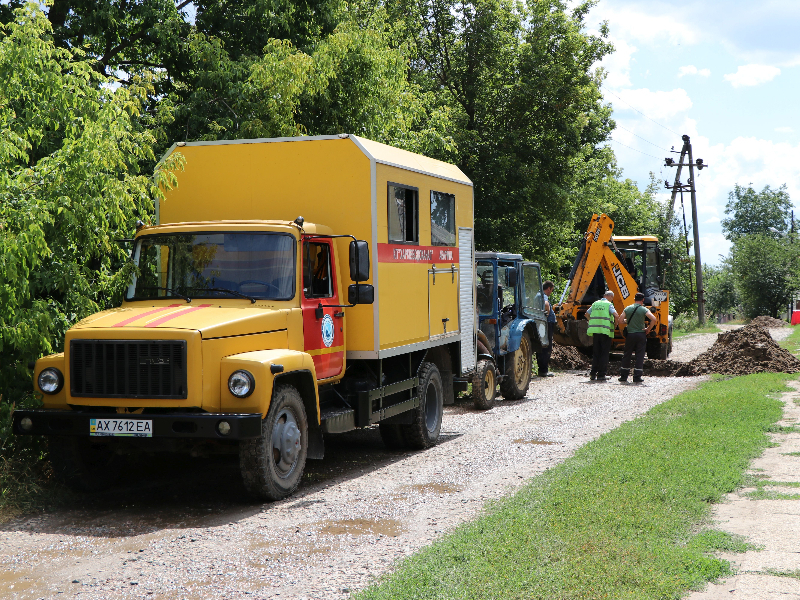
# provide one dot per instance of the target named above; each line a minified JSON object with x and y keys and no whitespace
{"x":69,"y":185}
{"x":526,"y":107}
{"x":764,"y":269}
{"x":756,"y":212}
{"x":720,"y":287}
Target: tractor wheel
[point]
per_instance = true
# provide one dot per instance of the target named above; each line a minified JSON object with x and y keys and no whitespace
{"x":518,"y":370}
{"x":484,"y":385}
{"x":272,"y":464}
{"x":426,"y":424}
{"x":84,"y":464}
{"x":669,"y":343}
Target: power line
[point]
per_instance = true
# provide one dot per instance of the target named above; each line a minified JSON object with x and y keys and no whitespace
{"x":638,"y":111}
{"x":634,"y":149}
{"x":641,"y":138}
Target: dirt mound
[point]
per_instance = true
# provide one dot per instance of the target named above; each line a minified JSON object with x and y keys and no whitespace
{"x":768,"y":322}
{"x":568,"y":358}
{"x":750,"y":349}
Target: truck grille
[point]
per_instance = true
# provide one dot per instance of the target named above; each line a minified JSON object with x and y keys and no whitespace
{"x":128,"y":368}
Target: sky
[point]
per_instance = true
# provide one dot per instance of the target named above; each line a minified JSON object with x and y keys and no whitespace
{"x":725,"y":73}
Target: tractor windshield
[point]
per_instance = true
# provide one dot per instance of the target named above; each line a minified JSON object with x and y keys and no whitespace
{"x":214,"y":265}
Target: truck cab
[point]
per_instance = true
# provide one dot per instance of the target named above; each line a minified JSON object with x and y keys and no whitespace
{"x":512,"y":325}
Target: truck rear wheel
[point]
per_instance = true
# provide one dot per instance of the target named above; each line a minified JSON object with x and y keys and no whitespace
{"x":518,"y":370}
{"x":653,"y":348}
{"x":272,"y":464}
{"x":84,"y":464}
{"x":426,"y":424}
{"x":484,"y":385}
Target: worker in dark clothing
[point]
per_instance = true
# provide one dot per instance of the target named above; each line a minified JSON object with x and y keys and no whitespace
{"x":543,"y":355}
{"x":636,"y":339}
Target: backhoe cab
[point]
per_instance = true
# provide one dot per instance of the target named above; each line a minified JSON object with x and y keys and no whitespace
{"x":625,"y":265}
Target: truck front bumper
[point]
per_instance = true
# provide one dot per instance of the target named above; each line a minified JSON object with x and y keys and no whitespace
{"x":217,"y":426}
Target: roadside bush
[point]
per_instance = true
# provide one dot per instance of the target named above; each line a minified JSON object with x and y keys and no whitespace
{"x":687,"y":322}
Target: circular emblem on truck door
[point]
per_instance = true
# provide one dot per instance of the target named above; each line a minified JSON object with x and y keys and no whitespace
{"x":327,"y":331}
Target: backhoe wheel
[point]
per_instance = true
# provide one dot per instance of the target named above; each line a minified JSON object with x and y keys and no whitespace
{"x":484,"y":385}
{"x":518,"y":370}
{"x":653,"y":348}
{"x":426,"y":424}
{"x":392,"y":436}
{"x":272,"y":464}
{"x":84,"y":464}
{"x":669,"y":343}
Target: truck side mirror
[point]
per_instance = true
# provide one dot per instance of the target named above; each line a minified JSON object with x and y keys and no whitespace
{"x":667,"y":254}
{"x":360,"y":293}
{"x":512,"y":278}
{"x":359,"y":261}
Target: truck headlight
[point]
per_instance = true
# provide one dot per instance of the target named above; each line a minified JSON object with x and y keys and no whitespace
{"x":51,"y":380}
{"x":241,"y":384}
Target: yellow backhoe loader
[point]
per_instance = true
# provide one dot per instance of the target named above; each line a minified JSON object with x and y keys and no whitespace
{"x":624,"y":265}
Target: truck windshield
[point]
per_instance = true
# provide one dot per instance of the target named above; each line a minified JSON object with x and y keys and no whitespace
{"x":214,"y":265}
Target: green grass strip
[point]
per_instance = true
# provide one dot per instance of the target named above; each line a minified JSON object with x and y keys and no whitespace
{"x":620,"y":519}
{"x":711,"y":328}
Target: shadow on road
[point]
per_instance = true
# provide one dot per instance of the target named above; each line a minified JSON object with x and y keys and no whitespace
{"x":174,"y":491}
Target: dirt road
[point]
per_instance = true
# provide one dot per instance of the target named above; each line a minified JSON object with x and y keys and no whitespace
{"x":184,"y":528}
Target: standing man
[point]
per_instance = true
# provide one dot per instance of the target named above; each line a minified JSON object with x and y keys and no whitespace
{"x":636,"y":340}
{"x":602,"y":315}
{"x":543,"y":355}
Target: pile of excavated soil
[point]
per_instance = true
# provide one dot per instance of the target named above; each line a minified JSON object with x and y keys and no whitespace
{"x":750,"y":349}
{"x":568,"y":358}
{"x":768,"y":322}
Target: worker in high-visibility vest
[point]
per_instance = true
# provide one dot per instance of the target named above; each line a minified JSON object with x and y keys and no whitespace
{"x":602,"y":316}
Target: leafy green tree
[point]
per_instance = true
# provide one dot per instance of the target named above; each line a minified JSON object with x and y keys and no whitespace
{"x":764,"y":269}
{"x":526,"y":109}
{"x":756,"y":212}
{"x":69,"y":185}
{"x":720,"y":289}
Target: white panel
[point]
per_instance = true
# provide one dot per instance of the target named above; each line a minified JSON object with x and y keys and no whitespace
{"x":466,"y":298}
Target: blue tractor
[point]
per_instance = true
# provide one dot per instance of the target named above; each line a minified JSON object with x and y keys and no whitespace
{"x":512,"y":325}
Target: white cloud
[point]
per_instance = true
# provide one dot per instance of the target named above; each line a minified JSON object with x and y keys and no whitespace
{"x":784,"y":130}
{"x":655,"y":104}
{"x":649,"y":27}
{"x":713,"y":247}
{"x":749,"y":75}
{"x":692,"y":70}
{"x":618,"y":64}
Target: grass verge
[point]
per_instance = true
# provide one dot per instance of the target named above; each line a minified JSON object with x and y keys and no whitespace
{"x":620,"y":519}
{"x":679,"y":333}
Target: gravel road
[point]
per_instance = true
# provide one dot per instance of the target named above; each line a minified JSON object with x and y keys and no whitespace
{"x":184,"y":528}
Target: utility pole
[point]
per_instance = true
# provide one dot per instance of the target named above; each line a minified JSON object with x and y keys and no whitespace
{"x":686,"y":151}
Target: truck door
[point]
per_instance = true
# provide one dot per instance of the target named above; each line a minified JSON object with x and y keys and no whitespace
{"x":533,"y":299}
{"x":323,"y":323}
{"x":442,"y":300}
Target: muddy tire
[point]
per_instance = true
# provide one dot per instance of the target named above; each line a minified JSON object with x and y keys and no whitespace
{"x":518,"y":368}
{"x":669,"y":343}
{"x":426,"y":424}
{"x":84,"y":464}
{"x":392,"y":436}
{"x":272,"y":465}
{"x":484,"y":385}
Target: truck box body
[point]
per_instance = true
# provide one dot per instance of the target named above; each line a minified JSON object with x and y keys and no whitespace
{"x":344,"y":183}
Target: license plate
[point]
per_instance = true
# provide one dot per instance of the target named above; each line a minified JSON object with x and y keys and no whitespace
{"x":121,"y":427}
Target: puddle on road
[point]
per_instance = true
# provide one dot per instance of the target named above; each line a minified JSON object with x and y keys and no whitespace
{"x":433,"y":488}
{"x":389,"y":527}
{"x":535,"y":441}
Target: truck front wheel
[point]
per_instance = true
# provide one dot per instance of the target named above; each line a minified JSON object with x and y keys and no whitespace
{"x":518,"y":368}
{"x":84,"y":464}
{"x":426,"y":424}
{"x":272,"y":465}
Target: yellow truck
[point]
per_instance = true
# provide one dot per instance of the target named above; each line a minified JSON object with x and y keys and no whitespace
{"x":290,"y":288}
